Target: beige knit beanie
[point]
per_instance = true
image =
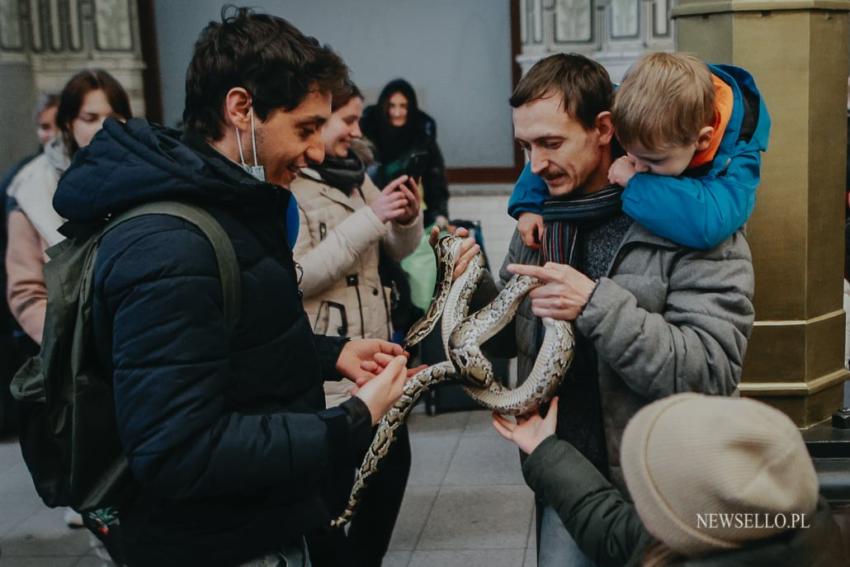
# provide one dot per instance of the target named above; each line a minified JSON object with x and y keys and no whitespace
{"x":710,"y":473}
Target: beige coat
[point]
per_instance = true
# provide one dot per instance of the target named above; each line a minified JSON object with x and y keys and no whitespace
{"x":337,"y":249}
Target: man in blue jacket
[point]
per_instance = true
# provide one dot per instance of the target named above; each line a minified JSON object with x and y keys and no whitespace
{"x":225,"y":429}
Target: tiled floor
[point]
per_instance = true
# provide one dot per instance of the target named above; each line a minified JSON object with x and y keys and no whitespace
{"x":466,"y":502}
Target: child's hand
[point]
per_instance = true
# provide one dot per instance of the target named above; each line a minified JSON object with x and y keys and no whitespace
{"x":530,"y":228}
{"x":529,"y":431}
{"x":621,"y":171}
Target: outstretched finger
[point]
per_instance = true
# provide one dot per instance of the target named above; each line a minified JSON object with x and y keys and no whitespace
{"x":434,"y":236}
{"x":552,"y":415}
{"x":543,"y":274}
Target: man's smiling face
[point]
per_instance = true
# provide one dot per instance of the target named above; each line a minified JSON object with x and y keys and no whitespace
{"x":290,"y":140}
{"x":568,"y":157}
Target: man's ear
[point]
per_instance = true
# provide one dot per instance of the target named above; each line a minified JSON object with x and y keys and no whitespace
{"x":605,"y":127}
{"x":237,"y":108}
{"x":704,"y":138}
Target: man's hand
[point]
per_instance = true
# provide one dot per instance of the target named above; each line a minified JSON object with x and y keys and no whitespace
{"x":358,"y":351}
{"x":382,"y":392}
{"x":564,"y":293}
{"x":530,"y":227}
{"x":622,"y":170}
{"x":381,"y":361}
{"x":529,"y":431}
{"x":468,"y":248}
{"x":393,"y":203}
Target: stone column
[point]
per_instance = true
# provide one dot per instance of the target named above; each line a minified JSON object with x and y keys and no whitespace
{"x":43,"y":43}
{"x":798,"y":53}
{"x":17,"y":80}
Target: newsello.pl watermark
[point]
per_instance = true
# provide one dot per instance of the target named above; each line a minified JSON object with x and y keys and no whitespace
{"x":751,"y":521}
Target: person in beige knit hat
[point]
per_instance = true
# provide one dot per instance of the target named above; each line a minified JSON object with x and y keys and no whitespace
{"x":715,"y":481}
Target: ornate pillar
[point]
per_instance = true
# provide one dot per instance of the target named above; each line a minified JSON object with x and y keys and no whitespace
{"x":17,"y":80}
{"x":797,"y":51}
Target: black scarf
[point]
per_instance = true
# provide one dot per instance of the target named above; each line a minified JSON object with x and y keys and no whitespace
{"x":345,"y":174}
{"x":566,"y":219}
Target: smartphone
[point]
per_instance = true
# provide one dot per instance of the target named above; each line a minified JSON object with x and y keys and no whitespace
{"x":416,"y":165}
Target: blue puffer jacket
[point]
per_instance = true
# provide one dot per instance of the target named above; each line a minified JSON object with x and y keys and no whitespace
{"x":706,"y":205}
{"x":226,"y":432}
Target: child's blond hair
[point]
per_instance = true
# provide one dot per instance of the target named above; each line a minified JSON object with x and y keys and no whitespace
{"x":665,"y":99}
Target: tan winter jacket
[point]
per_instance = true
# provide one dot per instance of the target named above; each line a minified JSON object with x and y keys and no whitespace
{"x":337,"y":249}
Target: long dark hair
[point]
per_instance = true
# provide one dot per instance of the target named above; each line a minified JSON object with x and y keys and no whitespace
{"x":74,"y":93}
{"x":391,"y":141}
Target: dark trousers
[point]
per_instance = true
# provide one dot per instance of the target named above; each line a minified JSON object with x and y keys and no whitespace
{"x":372,"y":527}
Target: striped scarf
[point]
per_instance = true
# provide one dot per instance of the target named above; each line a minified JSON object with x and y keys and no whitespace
{"x":566,"y":219}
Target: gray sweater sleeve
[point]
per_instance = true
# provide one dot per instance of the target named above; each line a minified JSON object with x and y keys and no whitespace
{"x":698,"y":342}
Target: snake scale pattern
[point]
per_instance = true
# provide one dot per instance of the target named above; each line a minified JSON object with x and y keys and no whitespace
{"x":462,"y":339}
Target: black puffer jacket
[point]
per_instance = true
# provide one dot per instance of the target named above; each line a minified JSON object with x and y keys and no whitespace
{"x":225,"y":432}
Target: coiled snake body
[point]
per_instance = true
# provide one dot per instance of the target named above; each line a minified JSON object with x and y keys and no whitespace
{"x":462,"y":339}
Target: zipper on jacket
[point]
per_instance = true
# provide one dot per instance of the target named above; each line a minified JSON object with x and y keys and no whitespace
{"x":352,"y":280}
{"x":387,"y":307}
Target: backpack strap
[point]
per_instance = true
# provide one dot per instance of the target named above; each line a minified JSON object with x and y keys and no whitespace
{"x":228,"y":266}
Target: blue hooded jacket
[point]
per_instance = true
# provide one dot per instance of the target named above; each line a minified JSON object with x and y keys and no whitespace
{"x":704,"y":206}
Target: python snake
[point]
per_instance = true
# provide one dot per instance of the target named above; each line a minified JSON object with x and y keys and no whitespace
{"x":462,"y":339}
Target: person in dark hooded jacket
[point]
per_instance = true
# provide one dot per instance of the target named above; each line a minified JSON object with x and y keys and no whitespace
{"x":224,"y":429}
{"x":405,"y":140}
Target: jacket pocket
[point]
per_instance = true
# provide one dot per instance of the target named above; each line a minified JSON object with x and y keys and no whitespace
{"x":331,"y":320}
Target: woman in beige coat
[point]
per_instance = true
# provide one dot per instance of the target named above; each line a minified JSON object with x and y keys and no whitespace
{"x":344,"y":220}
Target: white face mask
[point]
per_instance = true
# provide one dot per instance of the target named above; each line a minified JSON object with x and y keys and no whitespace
{"x":256,"y":170}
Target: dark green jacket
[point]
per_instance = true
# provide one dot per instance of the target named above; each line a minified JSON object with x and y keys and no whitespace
{"x":607,"y":527}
